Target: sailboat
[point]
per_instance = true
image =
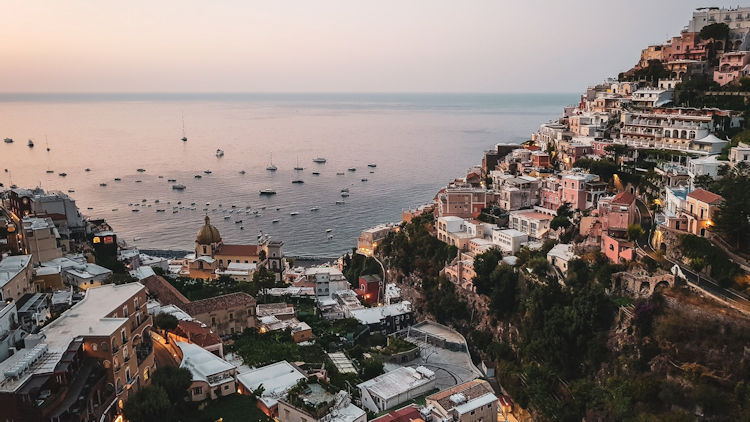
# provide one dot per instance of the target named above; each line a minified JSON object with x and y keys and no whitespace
{"x":297,"y":179}
{"x":184,"y":138}
{"x":46,"y":142}
{"x":298,"y":168}
{"x":271,"y":167}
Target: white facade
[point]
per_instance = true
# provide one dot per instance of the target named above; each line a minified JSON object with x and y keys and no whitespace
{"x":213,"y":377}
{"x":9,"y":333}
{"x":533,"y":223}
{"x":42,"y":239}
{"x":739,"y":154}
{"x":86,"y":275}
{"x":328,"y":280}
{"x":560,"y":255}
{"x":708,"y":166}
{"x":509,"y":240}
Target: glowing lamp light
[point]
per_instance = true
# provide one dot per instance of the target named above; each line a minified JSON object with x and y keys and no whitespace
{"x":97,"y":240}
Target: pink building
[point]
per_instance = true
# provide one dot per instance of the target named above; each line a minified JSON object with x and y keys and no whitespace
{"x":617,"y":213}
{"x":600,"y":146}
{"x":732,"y":66}
{"x":617,"y":250}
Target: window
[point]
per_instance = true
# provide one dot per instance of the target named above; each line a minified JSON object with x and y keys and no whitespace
{"x":213,"y":320}
{"x":105,"y":347}
{"x":93,"y":347}
{"x":231,"y":316}
{"x":135,"y":302}
{"x":125,"y":311}
{"x":146,"y":373}
{"x":197,"y":391}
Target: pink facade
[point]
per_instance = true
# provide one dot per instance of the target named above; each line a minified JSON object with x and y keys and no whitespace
{"x":599,"y":147}
{"x":732,"y":66}
{"x":574,"y":191}
{"x":618,"y":213}
{"x":617,"y":250}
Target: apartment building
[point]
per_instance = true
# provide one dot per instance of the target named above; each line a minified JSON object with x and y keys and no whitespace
{"x":463,"y":202}
{"x":395,"y":387}
{"x":369,"y":239}
{"x":472,"y":401}
{"x":16,"y":273}
{"x":83,"y":364}
{"x":532,"y":223}
{"x":42,"y":239}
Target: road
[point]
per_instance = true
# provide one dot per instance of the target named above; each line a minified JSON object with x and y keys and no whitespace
{"x":163,"y":355}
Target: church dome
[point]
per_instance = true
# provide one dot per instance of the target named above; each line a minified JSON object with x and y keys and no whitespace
{"x":208,"y":234}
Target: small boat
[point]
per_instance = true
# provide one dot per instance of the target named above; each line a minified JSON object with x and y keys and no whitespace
{"x":139,"y":181}
{"x":278,"y":209}
{"x":330,"y":236}
{"x":345,"y":190}
{"x":298,"y":168}
{"x":8,"y":140}
{"x":344,"y":194}
{"x":276,"y":220}
{"x":114,"y":209}
{"x":30,"y":144}
{"x":268,"y":192}
{"x":207,"y":171}
{"x":364,"y":179}
{"x":178,"y":187}
{"x":184,"y":138}
{"x":242,"y":227}
{"x":329,"y":230}
{"x":271,"y":167}
{"x":238,"y":222}
{"x":226,"y":217}
{"x":192,"y":204}
{"x":341,"y":173}
{"x":372,"y":172}
{"x":313,"y":209}
{"x":197,"y":176}
{"x":156,"y":201}
{"x":340,"y":202}
{"x":161,"y":177}
{"x":293,"y":213}
{"x":372,"y":165}
{"x":50,"y":171}
{"x":90,"y":208}
{"x":298,"y":181}
{"x":319,"y":160}
{"x":134,"y":210}
{"x":179,"y":202}
{"x":62,"y":174}
{"x":316,"y":173}
{"x":141,"y":170}
{"x":14,"y":186}
{"x":160,"y":210}
{"x":87,"y":169}
{"x":102,"y":184}
{"x":171,"y":180}
{"x":117,"y":179}
{"x":71,"y":190}
{"x":219,"y":152}
{"x":258,"y":215}
{"x":143,"y":200}
{"x":174,"y":211}
{"x":242,"y":171}
{"x":352,"y":169}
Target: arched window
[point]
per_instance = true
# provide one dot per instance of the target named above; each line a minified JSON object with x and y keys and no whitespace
{"x":668,"y":133}
{"x":692,"y":134}
{"x":683,"y":134}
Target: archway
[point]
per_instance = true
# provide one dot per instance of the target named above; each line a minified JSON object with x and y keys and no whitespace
{"x":645,"y":288}
{"x":662,"y":285}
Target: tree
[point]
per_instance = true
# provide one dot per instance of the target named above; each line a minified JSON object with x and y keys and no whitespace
{"x":174,"y":381}
{"x":617,"y":151}
{"x":371,"y":368}
{"x":504,"y":296}
{"x":484,"y":264}
{"x":166,"y":322}
{"x":149,"y":404}
{"x":634,"y":232}
{"x":715,"y":31}
{"x":732,"y":218}
{"x":562,"y":219}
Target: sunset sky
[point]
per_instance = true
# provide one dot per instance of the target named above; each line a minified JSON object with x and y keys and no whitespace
{"x":327,"y":46}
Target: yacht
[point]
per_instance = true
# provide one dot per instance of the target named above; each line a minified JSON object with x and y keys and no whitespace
{"x":340,"y":202}
{"x":293,"y":213}
{"x":319,"y":160}
{"x":271,"y":167}
{"x":178,"y":187}
{"x":268,"y":192}
{"x":50,"y":171}
{"x":352,"y":169}
{"x":117,"y":179}
{"x":276,"y":220}
{"x":31,"y":143}
{"x":372,"y":165}
{"x":344,"y":194}
{"x":345,"y":190}
{"x":364,"y":179}
{"x":207,"y":171}
{"x":62,"y":174}
{"x":197,"y":176}
{"x":298,"y":181}
{"x":8,"y":140}
{"x":242,"y":171}
{"x":329,"y":230}
{"x":141,"y":170}
{"x":135,"y":210}
{"x":102,"y":184}
{"x":160,"y":210}
{"x":316,"y":173}
{"x":226,"y":217}
{"x":184,"y":138}
{"x":298,"y":168}
{"x":219,"y":152}
{"x":238,"y":222}
{"x":313,"y":209}
{"x":171,"y":180}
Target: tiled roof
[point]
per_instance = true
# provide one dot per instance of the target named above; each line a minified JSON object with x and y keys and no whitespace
{"x":623,"y":198}
{"x":228,"y":301}
{"x":197,"y":333}
{"x":705,"y":196}
{"x":165,"y":292}
{"x":238,"y":250}
{"x":405,"y":414}
{"x":470,"y":390}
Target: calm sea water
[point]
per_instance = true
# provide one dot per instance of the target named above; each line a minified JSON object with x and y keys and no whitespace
{"x":419,"y":142}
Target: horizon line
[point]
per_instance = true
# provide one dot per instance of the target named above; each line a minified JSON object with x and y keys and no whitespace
{"x":288,"y":93}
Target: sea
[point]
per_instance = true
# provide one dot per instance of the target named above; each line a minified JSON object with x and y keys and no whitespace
{"x":418,"y":143}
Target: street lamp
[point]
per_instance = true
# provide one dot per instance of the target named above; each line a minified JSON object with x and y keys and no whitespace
{"x":381,"y":287}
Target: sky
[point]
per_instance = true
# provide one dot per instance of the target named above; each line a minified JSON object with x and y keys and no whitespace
{"x":484,"y":46}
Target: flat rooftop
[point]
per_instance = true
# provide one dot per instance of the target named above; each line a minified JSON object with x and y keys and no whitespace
{"x":276,"y":378}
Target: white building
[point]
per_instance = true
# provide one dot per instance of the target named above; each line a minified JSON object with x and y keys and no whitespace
{"x":213,"y":377}
{"x":739,"y":154}
{"x":15,"y":277}
{"x":652,"y":97}
{"x":509,"y":240}
{"x":708,"y":165}
{"x":277,"y":379}
{"x":560,"y":256}
{"x":533,"y":223}
{"x":395,"y":387}
{"x":42,"y":239}
{"x":86,"y":275}
{"x":9,"y":332}
{"x":240,"y":271}
{"x":328,"y":280}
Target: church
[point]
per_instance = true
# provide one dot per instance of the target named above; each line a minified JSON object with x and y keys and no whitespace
{"x":212,"y":254}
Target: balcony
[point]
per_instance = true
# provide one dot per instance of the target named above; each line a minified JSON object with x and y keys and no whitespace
{"x":143,"y":351}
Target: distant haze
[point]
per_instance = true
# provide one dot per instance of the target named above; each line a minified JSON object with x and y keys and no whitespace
{"x":327,"y":46}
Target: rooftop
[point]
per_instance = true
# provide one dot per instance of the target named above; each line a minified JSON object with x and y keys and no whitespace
{"x":276,"y":378}
{"x":705,"y":196}
{"x":378,"y":313}
{"x":11,"y":266}
{"x":462,"y":394}
{"x":562,"y":251}
{"x":623,"y":198}
{"x":231,"y":300}
{"x":398,"y":381}
{"x":238,"y":250}
{"x":204,"y":365}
